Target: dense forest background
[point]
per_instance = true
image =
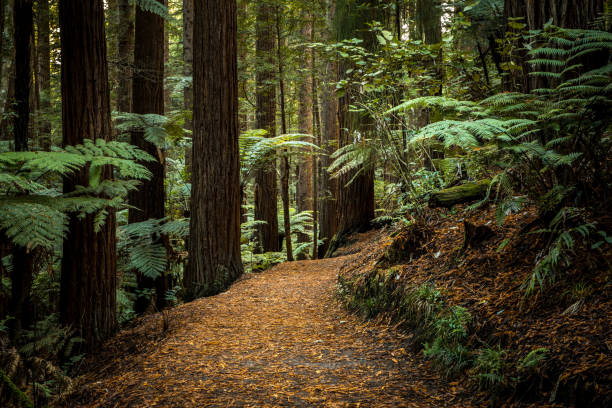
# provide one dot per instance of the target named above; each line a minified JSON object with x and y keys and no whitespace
{"x":152,"y":152}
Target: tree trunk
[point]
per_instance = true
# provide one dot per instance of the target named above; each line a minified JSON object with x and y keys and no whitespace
{"x":266,"y":191}
{"x":148,"y":97}
{"x":215,"y":203}
{"x":2,"y":15}
{"x":125,"y":54}
{"x":8,"y":103}
{"x":243,"y":80}
{"x":329,"y":136}
{"x":44,"y":73}
{"x":188,"y":70}
{"x":355,"y":200}
{"x":21,"y":279}
{"x":304,"y":166}
{"x":89,"y":266}
{"x":285,"y":159}
{"x":315,"y":165}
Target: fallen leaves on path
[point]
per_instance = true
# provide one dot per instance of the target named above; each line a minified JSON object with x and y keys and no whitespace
{"x":274,"y":339}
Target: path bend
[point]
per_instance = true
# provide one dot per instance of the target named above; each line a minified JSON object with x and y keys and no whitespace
{"x":278,"y":338}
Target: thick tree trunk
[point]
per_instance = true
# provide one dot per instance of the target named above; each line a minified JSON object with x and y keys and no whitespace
{"x":89,"y":265}
{"x":44,"y":72}
{"x":148,"y":97}
{"x":215,"y":203}
{"x":266,"y":190}
{"x":23,"y":24}
{"x":21,"y":279}
{"x":355,"y":200}
{"x":329,"y":136}
{"x":125,"y":54}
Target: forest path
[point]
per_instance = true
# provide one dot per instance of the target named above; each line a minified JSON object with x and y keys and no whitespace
{"x":278,"y":338}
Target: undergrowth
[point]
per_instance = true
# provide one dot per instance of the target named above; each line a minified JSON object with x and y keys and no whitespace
{"x":443,"y":331}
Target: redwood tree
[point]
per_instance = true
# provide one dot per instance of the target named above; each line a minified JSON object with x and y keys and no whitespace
{"x":266,"y":190}
{"x":215,"y":182}
{"x":44,"y":70}
{"x":355,"y":200}
{"x":125,"y":54}
{"x":89,"y":265}
{"x":22,"y":274}
{"x":148,"y":201}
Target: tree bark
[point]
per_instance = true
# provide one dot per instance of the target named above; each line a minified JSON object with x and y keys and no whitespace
{"x":355,"y":200}
{"x":89,"y":265}
{"x":304,"y":166}
{"x":316,"y":122}
{"x":285,"y":159}
{"x":125,"y":54}
{"x":188,"y":70}
{"x":329,"y":136}
{"x":266,"y":190}
{"x":215,"y":204}
{"x":44,"y":72}
{"x":148,"y":97}
{"x":2,"y":16}
{"x":22,"y":275}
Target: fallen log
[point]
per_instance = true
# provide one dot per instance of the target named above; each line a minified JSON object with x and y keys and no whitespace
{"x":459,"y":194}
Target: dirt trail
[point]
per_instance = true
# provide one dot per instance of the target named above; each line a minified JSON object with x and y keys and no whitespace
{"x":274,"y":339}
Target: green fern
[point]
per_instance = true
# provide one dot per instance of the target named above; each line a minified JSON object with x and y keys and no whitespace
{"x":33,"y":211}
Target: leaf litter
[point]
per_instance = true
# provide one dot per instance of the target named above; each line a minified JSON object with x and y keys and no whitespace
{"x":279,"y":338}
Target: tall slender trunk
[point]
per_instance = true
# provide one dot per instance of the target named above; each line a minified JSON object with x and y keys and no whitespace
{"x":89,"y":266}
{"x":2,"y":16}
{"x":188,"y":71}
{"x":285,"y":159}
{"x":315,"y":164}
{"x":303,"y":187}
{"x":125,"y":54}
{"x":215,"y":204}
{"x":305,"y":125}
{"x":44,"y":73}
{"x":8,"y":103}
{"x":148,"y":201}
{"x":266,"y":190}
{"x":22,"y":275}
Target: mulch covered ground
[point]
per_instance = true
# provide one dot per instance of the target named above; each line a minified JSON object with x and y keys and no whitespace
{"x":278,"y":338}
{"x":572,"y":318}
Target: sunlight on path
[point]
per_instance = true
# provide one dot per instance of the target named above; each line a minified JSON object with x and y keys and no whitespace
{"x":274,"y":339}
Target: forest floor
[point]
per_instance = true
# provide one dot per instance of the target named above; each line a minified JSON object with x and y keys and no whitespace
{"x":279,"y":338}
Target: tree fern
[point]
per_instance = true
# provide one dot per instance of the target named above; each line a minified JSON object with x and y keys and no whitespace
{"x":33,"y":211}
